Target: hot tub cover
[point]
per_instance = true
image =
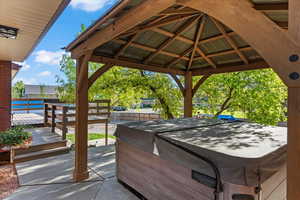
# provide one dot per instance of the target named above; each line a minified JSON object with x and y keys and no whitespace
{"x":243,"y":152}
{"x":142,"y":134}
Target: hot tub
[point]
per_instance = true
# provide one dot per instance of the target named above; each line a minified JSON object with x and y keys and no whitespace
{"x":203,"y":159}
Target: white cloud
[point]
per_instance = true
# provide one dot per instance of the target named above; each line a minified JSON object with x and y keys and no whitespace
{"x":90,"y":5}
{"x":44,"y":73}
{"x":24,"y":65}
{"x":48,"y":57}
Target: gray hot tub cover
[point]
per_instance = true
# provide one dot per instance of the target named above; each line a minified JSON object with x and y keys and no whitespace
{"x":242,"y":151}
{"x":142,"y":134}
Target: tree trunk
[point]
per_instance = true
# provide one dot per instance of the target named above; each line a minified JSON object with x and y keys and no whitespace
{"x":161,"y":100}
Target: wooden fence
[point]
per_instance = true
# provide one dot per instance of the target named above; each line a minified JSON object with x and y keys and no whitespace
{"x":133,"y":116}
{"x":30,"y":104}
{"x":63,"y":115}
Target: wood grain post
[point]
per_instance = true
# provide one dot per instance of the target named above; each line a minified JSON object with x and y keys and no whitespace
{"x":188,"y":95}
{"x":293,"y":155}
{"x":12,"y":155}
{"x":53,"y":108}
{"x":46,"y":106}
{"x":81,"y":128}
{"x":64,"y":122}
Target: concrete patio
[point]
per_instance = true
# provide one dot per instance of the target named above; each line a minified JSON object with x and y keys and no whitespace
{"x":51,"y":178}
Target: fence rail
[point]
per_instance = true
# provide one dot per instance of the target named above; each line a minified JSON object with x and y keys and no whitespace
{"x":63,"y":115}
{"x":31,"y":111}
{"x":29,"y":104}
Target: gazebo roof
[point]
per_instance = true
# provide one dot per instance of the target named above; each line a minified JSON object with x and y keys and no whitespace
{"x":181,"y":39}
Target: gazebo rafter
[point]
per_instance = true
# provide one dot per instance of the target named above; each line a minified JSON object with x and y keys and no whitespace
{"x":200,"y":30}
{"x":229,"y":40}
{"x":177,"y":33}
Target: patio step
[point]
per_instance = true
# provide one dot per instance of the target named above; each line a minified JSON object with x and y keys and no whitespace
{"x":41,"y":154}
{"x":41,"y":147}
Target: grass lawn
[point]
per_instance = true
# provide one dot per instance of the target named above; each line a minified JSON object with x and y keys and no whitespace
{"x":92,"y":136}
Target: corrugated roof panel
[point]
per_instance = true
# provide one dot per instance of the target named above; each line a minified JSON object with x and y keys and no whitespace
{"x":226,"y":59}
{"x":177,"y":47}
{"x":135,"y":53}
{"x":215,"y":46}
{"x":181,"y":65}
{"x":281,"y":16}
{"x":238,"y":41}
{"x":252,"y":55}
{"x":269,"y":1}
{"x":173,"y":26}
{"x":210,"y":29}
{"x":151,"y":39}
{"x":191,"y":32}
{"x":199,"y":64}
{"x":161,"y":60}
{"x":109,"y":48}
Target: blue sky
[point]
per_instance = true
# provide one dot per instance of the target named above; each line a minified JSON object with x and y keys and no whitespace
{"x":42,"y":65}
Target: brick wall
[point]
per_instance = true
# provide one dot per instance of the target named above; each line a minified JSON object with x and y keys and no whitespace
{"x":5,"y":95}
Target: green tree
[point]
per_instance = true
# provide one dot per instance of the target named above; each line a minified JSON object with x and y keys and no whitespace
{"x":124,"y":87}
{"x":259,"y":94}
{"x":18,"y":89}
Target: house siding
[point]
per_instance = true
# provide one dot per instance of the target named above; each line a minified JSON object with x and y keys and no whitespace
{"x":5,"y":95}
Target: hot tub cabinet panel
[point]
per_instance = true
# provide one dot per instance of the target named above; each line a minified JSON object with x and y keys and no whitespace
{"x":202,"y":160}
{"x":155,"y":178}
{"x":159,"y":179}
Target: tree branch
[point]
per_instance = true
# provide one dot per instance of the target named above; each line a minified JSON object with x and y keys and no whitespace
{"x":226,"y":103}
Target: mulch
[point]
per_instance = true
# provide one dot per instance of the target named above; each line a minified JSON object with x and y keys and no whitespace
{"x":8,"y":180}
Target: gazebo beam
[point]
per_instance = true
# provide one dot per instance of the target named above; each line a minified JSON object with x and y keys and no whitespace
{"x":132,"y":64}
{"x":98,"y":73}
{"x":81,"y":127}
{"x":230,"y":68}
{"x":144,"y":11}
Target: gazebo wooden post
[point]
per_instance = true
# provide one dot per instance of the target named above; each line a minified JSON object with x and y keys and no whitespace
{"x":293,"y":162}
{"x":188,"y":94}
{"x":81,"y":129}
{"x":293,"y":155}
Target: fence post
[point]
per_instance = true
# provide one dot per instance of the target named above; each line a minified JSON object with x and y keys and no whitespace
{"x":64,"y":123}
{"x":46,"y":106}
{"x":97,"y":107}
{"x":53,"y":119}
{"x":106,"y":132}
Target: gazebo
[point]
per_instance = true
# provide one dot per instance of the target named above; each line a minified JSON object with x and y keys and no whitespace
{"x":194,"y":38}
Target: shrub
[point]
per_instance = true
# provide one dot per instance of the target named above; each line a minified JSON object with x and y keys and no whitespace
{"x":14,"y":136}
